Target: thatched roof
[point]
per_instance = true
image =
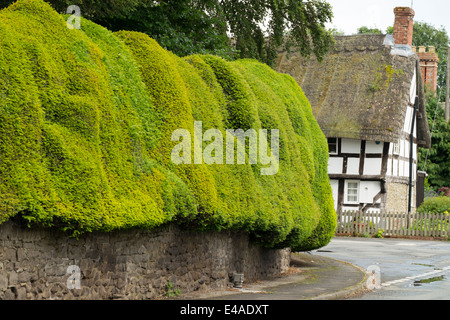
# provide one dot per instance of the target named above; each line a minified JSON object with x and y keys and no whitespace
{"x":361,"y":89}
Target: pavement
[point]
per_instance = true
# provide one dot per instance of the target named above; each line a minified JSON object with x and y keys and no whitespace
{"x":310,"y":277}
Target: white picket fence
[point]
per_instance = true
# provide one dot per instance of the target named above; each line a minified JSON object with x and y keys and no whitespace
{"x":393,"y":224}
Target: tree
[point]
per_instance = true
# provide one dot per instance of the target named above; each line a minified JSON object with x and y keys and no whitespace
{"x":183,"y":27}
{"x":257,"y":27}
{"x":336,"y":32}
{"x":292,"y":23}
{"x":436,"y":161}
{"x":91,"y":8}
{"x":366,"y":30}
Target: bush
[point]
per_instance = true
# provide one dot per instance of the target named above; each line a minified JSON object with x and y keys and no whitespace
{"x":86,"y":118}
{"x":435,"y":205}
{"x":444,"y":191}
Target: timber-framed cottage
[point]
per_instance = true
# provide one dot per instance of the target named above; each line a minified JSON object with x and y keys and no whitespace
{"x":369,"y":100}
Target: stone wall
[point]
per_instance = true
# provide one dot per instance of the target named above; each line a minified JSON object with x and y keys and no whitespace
{"x":46,"y":264}
{"x":397,"y":197}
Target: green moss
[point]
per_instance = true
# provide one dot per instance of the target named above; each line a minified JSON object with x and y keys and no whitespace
{"x":384,"y":78}
{"x":86,"y":118}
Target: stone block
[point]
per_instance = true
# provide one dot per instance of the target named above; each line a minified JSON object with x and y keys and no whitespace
{"x":3,"y":282}
{"x":10,"y":254}
{"x":12,"y":278}
{"x":21,"y":293}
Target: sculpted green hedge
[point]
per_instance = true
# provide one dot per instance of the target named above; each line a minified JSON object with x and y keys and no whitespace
{"x":86,"y":124}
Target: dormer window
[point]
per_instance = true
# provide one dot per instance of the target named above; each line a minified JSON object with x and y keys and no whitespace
{"x":332,"y":145}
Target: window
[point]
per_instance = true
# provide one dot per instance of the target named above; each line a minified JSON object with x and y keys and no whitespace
{"x":396,"y":148}
{"x":333,"y":145}
{"x":352,"y":192}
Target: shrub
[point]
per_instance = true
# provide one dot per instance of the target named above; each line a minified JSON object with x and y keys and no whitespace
{"x":86,"y":118}
{"x":435,"y":205}
{"x":444,"y":191}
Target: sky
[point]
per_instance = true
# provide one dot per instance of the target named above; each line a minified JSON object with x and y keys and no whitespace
{"x":349,"y":15}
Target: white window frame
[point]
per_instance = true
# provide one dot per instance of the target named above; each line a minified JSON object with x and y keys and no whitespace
{"x":346,"y":194}
{"x":337,"y":146}
{"x":396,"y":148}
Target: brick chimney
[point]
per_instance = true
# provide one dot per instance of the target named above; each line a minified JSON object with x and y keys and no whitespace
{"x":429,"y":62}
{"x":403,"y":34}
{"x":403,"y":25}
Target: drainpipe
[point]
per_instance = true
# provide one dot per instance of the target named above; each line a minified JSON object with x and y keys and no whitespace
{"x":411,"y":155}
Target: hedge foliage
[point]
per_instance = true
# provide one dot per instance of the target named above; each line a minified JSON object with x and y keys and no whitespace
{"x":439,"y":204}
{"x":86,"y":118}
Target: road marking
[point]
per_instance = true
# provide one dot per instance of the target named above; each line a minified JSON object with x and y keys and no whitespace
{"x":424,"y":275}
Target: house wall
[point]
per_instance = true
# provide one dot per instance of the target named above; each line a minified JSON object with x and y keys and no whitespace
{"x":398,"y":170}
{"x":397,"y":197}
{"x":34,"y":264}
{"x":361,"y":162}
{"x":372,"y":147}
{"x":369,"y":190}
{"x":398,"y":165}
{"x":351,"y":146}
{"x":381,"y":186}
{"x":381,"y":169}
{"x":335,"y":165}
{"x":335,"y":188}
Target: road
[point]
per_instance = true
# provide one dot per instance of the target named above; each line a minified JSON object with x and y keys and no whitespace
{"x":403,"y":269}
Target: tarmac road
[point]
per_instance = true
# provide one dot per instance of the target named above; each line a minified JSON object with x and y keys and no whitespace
{"x":403,"y":269}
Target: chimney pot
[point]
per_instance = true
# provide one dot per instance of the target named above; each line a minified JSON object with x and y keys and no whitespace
{"x":422,"y":49}
{"x":431,"y":49}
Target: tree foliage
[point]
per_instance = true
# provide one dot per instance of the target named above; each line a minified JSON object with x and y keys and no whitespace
{"x":257,"y":27}
{"x":436,"y":161}
{"x":367,"y":30}
{"x":295,"y":23}
{"x":180,"y":26}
